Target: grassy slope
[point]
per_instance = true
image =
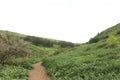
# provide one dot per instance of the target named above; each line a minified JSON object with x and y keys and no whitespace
{"x":96,"y":61}
{"x":18,"y":69}
{"x":115,"y":30}
{"x":92,"y":61}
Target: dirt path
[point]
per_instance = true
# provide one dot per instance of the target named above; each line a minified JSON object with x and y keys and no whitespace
{"x":38,"y":73}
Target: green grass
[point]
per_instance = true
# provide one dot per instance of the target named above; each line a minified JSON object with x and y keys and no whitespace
{"x":87,"y":62}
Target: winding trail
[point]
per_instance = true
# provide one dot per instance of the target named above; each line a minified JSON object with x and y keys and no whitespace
{"x":38,"y":73}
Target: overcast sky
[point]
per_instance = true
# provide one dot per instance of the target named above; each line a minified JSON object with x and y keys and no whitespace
{"x":70,"y":20}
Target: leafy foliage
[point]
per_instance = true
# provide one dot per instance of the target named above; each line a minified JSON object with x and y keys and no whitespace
{"x":86,"y":62}
{"x":12,"y":72}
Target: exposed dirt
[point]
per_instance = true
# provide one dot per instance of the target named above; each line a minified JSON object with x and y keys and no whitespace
{"x":38,"y":73}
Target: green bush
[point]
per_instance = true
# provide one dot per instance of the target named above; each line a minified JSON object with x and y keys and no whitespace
{"x":93,"y":40}
{"x":39,"y":41}
{"x":64,"y":44}
{"x":99,"y":37}
{"x":118,"y":33}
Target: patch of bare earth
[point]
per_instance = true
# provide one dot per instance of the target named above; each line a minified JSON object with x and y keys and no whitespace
{"x":38,"y":73}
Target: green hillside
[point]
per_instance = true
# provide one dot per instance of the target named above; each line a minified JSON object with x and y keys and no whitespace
{"x":19,"y":52}
{"x":112,"y":31}
{"x":99,"y":59}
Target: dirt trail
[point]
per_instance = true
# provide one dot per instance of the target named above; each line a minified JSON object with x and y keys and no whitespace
{"x":38,"y":73}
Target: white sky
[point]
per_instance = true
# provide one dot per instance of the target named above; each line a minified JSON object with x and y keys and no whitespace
{"x":70,"y":20}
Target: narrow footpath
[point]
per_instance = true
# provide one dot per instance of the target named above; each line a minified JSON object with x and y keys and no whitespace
{"x":38,"y":73}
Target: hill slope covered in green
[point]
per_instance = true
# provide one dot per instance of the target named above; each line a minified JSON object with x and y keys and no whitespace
{"x":98,"y":59}
{"x":19,"y":52}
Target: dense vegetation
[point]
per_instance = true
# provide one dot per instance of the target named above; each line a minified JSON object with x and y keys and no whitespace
{"x":19,"y":52}
{"x":113,"y":31}
{"x":98,"y":59}
{"x":18,"y":68}
{"x":85,"y":63}
{"x":38,"y":41}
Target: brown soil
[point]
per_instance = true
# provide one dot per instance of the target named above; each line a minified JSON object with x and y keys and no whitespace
{"x":38,"y":73}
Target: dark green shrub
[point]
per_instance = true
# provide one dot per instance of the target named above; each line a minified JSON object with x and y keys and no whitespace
{"x":118,"y":33}
{"x":39,"y":41}
{"x":93,"y":40}
{"x":99,"y":37}
{"x":64,"y":44}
